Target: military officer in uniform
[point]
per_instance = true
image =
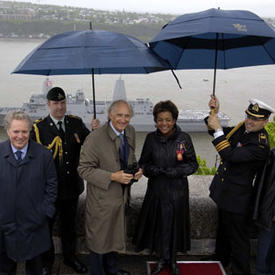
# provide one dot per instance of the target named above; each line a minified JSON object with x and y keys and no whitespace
{"x":243,"y":150}
{"x":63,"y":135}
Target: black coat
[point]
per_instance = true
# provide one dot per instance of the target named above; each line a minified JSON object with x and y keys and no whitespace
{"x":27,"y":194}
{"x":164,"y":223}
{"x":265,"y":200}
{"x":242,"y":156}
{"x":70,"y":185}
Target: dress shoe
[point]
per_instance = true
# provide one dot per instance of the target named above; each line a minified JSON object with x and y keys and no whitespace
{"x":46,"y":271}
{"x":121,"y":272}
{"x":159,"y":267}
{"x":76,"y":265}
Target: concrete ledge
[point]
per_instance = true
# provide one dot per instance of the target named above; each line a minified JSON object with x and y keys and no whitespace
{"x":203,"y":215}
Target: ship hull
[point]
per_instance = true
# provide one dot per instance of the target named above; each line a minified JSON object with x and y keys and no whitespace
{"x":185,"y":125}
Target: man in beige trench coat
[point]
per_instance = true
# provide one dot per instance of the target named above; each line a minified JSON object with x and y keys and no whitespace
{"x":105,"y":154}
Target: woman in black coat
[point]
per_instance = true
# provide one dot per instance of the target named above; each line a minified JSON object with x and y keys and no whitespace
{"x":167,"y":158}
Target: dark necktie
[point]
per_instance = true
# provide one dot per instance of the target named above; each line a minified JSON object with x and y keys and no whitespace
{"x":19,"y":156}
{"x":123,"y":151}
{"x":60,"y":129}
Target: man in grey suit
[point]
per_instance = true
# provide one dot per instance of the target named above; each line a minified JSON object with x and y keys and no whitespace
{"x":106,"y":154}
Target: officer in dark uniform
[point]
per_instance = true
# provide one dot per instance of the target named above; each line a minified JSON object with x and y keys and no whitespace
{"x":243,"y":150}
{"x":63,"y":135}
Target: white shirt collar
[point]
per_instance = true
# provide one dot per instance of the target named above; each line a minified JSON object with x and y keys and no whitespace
{"x":56,"y":120}
{"x":115,"y":130}
{"x":23,"y":150}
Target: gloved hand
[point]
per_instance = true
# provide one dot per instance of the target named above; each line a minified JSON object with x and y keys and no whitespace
{"x":171,"y":172}
{"x":152,"y":171}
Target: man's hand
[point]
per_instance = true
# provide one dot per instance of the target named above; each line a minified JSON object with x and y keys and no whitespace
{"x":138,"y":174}
{"x":214,"y":122}
{"x":121,"y":177}
{"x":95,"y":123}
{"x":214,"y":104}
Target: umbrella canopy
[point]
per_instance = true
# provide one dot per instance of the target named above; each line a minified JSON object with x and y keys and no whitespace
{"x":91,"y":52}
{"x":216,"y":38}
{"x":78,"y":52}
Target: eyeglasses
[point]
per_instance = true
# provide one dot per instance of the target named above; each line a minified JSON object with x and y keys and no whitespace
{"x":256,"y":118}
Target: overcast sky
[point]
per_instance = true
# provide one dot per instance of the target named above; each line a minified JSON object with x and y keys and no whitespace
{"x":260,"y":7}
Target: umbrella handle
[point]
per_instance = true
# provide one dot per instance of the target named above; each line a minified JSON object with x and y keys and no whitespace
{"x":212,"y":112}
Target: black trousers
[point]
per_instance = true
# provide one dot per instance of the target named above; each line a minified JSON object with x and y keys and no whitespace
{"x":233,"y":241}
{"x":66,"y":211}
{"x":32,"y":267}
{"x":103,"y":264}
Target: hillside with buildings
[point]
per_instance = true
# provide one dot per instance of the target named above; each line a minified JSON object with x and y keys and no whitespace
{"x":27,"y":20}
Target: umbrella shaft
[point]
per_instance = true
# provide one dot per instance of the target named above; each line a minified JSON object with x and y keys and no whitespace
{"x":215,"y":65}
{"x":214,"y":82}
{"x":93,"y":86}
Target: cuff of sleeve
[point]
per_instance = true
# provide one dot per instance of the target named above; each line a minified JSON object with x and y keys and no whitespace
{"x":218,"y":133}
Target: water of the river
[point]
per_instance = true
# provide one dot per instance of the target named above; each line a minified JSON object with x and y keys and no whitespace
{"x":233,"y":87}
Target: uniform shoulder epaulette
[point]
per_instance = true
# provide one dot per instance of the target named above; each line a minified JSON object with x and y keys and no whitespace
{"x":74,"y":116}
{"x":39,"y":120}
{"x":263,"y":138}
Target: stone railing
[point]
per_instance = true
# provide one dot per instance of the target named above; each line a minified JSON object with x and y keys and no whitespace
{"x":203,"y":216}
{"x":203,"y":213}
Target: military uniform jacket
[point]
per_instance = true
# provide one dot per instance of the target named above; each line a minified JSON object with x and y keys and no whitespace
{"x":243,"y":155}
{"x":65,"y":152}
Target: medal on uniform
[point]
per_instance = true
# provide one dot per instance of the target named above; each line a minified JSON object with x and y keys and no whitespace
{"x":180,"y":151}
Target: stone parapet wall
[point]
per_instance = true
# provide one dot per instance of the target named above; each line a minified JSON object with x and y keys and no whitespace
{"x":203,"y":216}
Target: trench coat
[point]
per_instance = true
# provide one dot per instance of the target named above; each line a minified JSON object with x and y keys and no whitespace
{"x":27,"y":195}
{"x":105,"y":201}
{"x":164,"y":223}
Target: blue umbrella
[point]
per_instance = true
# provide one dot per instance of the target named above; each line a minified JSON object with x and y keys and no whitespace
{"x":216,"y":38}
{"x":91,"y":52}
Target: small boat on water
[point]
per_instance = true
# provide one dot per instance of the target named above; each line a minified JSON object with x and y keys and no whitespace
{"x":77,"y":104}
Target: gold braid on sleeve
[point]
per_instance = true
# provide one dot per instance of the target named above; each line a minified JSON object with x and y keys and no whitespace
{"x":56,"y":143}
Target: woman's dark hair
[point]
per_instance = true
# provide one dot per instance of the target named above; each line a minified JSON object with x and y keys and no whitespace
{"x":165,"y":106}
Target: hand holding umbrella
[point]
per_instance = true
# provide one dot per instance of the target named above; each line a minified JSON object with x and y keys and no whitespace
{"x":214,"y":105}
{"x":95,"y":123}
{"x":214,"y":122}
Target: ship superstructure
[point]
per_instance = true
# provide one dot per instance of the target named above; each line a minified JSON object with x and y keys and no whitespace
{"x":77,"y":104}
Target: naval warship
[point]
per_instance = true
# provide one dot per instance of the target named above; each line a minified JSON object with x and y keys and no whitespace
{"x":78,"y":104}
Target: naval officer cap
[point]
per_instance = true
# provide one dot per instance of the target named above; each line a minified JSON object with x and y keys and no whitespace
{"x":259,"y":109}
{"x":56,"y":94}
